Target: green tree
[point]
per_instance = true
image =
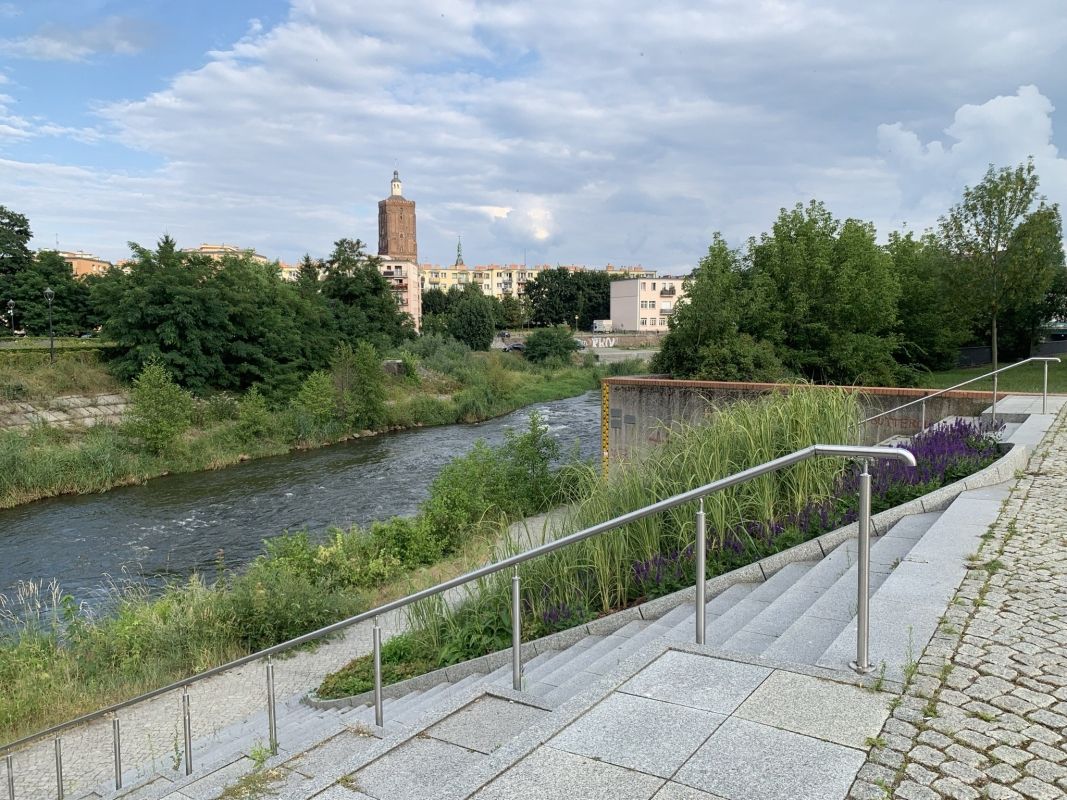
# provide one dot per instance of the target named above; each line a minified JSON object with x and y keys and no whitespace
{"x":70,"y":303}
{"x":554,"y":298}
{"x":308,"y":275}
{"x":555,"y":343}
{"x":831,"y":297}
{"x":361,"y":299}
{"x":1035,"y":261}
{"x":314,"y":407}
{"x":166,"y":309}
{"x":978,"y":232}
{"x":706,"y":339}
{"x":160,"y":410}
{"x":15,"y":237}
{"x":594,"y":297}
{"x":360,"y":385}
{"x":511,"y":311}
{"x":933,"y":321}
{"x":435,"y":301}
{"x":471,"y":319}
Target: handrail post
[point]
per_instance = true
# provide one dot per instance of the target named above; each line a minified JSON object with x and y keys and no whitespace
{"x":1044,"y":390}
{"x":922,"y":418}
{"x":379,"y":714}
{"x":10,"y":761}
{"x":863,"y":565}
{"x":995,"y":376}
{"x":187,"y":729}
{"x":701,"y":565}
{"x":272,"y":714}
{"x":116,"y":741}
{"x":59,"y":768}
{"x":516,"y":633}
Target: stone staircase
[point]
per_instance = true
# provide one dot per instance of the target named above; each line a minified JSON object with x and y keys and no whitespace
{"x":439,"y":739}
{"x":803,"y":614}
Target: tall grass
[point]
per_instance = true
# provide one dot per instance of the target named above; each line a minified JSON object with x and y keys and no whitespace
{"x":606,"y":572}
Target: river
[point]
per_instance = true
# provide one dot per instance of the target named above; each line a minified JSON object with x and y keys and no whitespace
{"x":175,"y":525}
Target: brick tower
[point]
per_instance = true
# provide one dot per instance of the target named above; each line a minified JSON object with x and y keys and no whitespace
{"x":396,"y":225}
{"x":398,"y":252}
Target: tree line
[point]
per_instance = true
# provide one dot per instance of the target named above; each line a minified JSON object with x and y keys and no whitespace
{"x":226,"y":324}
{"x":821,"y":299}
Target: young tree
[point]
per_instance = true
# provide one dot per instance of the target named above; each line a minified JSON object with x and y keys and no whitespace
{"x":308,"y":275}
{"x":70,"y":302}
{"x":978,"y":232}
{"x":471,"y":319}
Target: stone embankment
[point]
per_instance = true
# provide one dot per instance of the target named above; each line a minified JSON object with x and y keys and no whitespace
{"x":65,"y":412}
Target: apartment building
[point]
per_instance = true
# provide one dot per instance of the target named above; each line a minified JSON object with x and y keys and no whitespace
{"x":219,"y":251}
{"x":505,"y":280}
{"x":644,"y":304}
{"x":84,"y":263}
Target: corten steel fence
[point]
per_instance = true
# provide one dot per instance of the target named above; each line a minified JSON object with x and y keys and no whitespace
{"x":182,"y":755}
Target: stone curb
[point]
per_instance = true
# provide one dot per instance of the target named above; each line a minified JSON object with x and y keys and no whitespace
{"x":999,"y":471}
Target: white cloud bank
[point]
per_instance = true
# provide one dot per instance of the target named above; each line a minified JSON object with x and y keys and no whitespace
{"x":576,"y":134}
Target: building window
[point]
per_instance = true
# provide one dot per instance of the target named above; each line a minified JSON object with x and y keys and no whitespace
{"x":644,"y":285}
{"x":644,"y":322}
{"x":653,"y":286}
{"x":662,"y":321}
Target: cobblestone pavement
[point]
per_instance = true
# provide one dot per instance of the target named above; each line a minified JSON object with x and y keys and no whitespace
{"x":984,"y":713}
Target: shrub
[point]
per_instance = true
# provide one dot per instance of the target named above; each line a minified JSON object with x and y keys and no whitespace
{"x":313,"y":408}
{"x":550,"y":344}
{"x":160,"y":410}
{"x":254,"y":419}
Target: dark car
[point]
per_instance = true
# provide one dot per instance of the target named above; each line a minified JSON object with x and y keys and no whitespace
{"x":514,"y":347}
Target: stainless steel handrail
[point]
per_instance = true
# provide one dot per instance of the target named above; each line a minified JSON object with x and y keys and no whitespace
{"x":863,"y":453}
{"x":994,"y":373}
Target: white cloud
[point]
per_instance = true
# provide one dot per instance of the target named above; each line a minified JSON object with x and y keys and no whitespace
{"x":1004,"y":131}
{"x":580,"y":134}
{"x":112,"y":36}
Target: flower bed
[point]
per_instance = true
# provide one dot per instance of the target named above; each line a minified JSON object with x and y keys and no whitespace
{"x":944,"y":453}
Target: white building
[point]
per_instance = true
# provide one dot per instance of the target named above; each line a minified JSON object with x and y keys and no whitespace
{"x":644,"y":305}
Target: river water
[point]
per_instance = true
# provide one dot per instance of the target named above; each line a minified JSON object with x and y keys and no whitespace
{"x":173,"y":526}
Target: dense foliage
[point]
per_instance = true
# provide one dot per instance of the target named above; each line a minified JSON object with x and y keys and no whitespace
{"x":562,"y":297}
{"x":820,"y":299}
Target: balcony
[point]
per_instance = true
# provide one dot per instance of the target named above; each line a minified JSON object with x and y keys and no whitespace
{"x":394,"y":273}
{"x":668,"y":291}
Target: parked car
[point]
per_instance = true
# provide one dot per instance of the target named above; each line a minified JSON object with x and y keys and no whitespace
{"x":514,"y":347}
{"x":580,"y":343}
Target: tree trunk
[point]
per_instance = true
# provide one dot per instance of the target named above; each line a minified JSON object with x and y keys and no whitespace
{"x":995,"y":365}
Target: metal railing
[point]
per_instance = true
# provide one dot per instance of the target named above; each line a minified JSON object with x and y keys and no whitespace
{"x":922,"y":400}
{"x":861,"y":664}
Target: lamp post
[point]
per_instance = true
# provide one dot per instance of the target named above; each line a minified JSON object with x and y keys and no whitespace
{"x":49,"y":295}
{"x":11,"y":316}
{"x":575,"y":323}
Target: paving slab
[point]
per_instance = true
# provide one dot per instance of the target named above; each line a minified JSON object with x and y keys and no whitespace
{"x":829,"y":710}
{"x":652,"y":736}
{"x":679,"y":791}
{"x":213,"y":784}
{"x":342,"y":746}
{"x":338,"y":792}
{"x":745,"y":760}
{"x":416,"y":770}
{"x":702,"y":682}
{"x":551,"y":774}
{"x":486,"y":724}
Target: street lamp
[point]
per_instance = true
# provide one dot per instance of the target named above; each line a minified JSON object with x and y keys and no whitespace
{"x":49,"y":295}
{"x":575,"y":323}
{"x":11,"y":316}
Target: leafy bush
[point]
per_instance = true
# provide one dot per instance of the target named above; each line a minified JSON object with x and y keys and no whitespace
{"x":313,"y":408}
{"x":550,"y":344}
{"x":160,"y":410}
{"x":254,"y":419}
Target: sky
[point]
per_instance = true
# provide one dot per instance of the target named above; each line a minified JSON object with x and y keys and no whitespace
{"x":622,"y":132}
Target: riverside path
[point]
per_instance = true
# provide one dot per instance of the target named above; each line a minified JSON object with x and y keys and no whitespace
{"x":985,"y":712}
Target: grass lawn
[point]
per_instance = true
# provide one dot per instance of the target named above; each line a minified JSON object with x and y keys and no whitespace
{"x":1020,"y":379}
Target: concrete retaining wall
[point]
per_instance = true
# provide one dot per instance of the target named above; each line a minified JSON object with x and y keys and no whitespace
{"x":642,"y":410}
{"x":64,"y":412}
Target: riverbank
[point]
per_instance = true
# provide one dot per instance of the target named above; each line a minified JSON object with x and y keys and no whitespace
{"x":58,"y":659}
{"x":444,"y":385}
